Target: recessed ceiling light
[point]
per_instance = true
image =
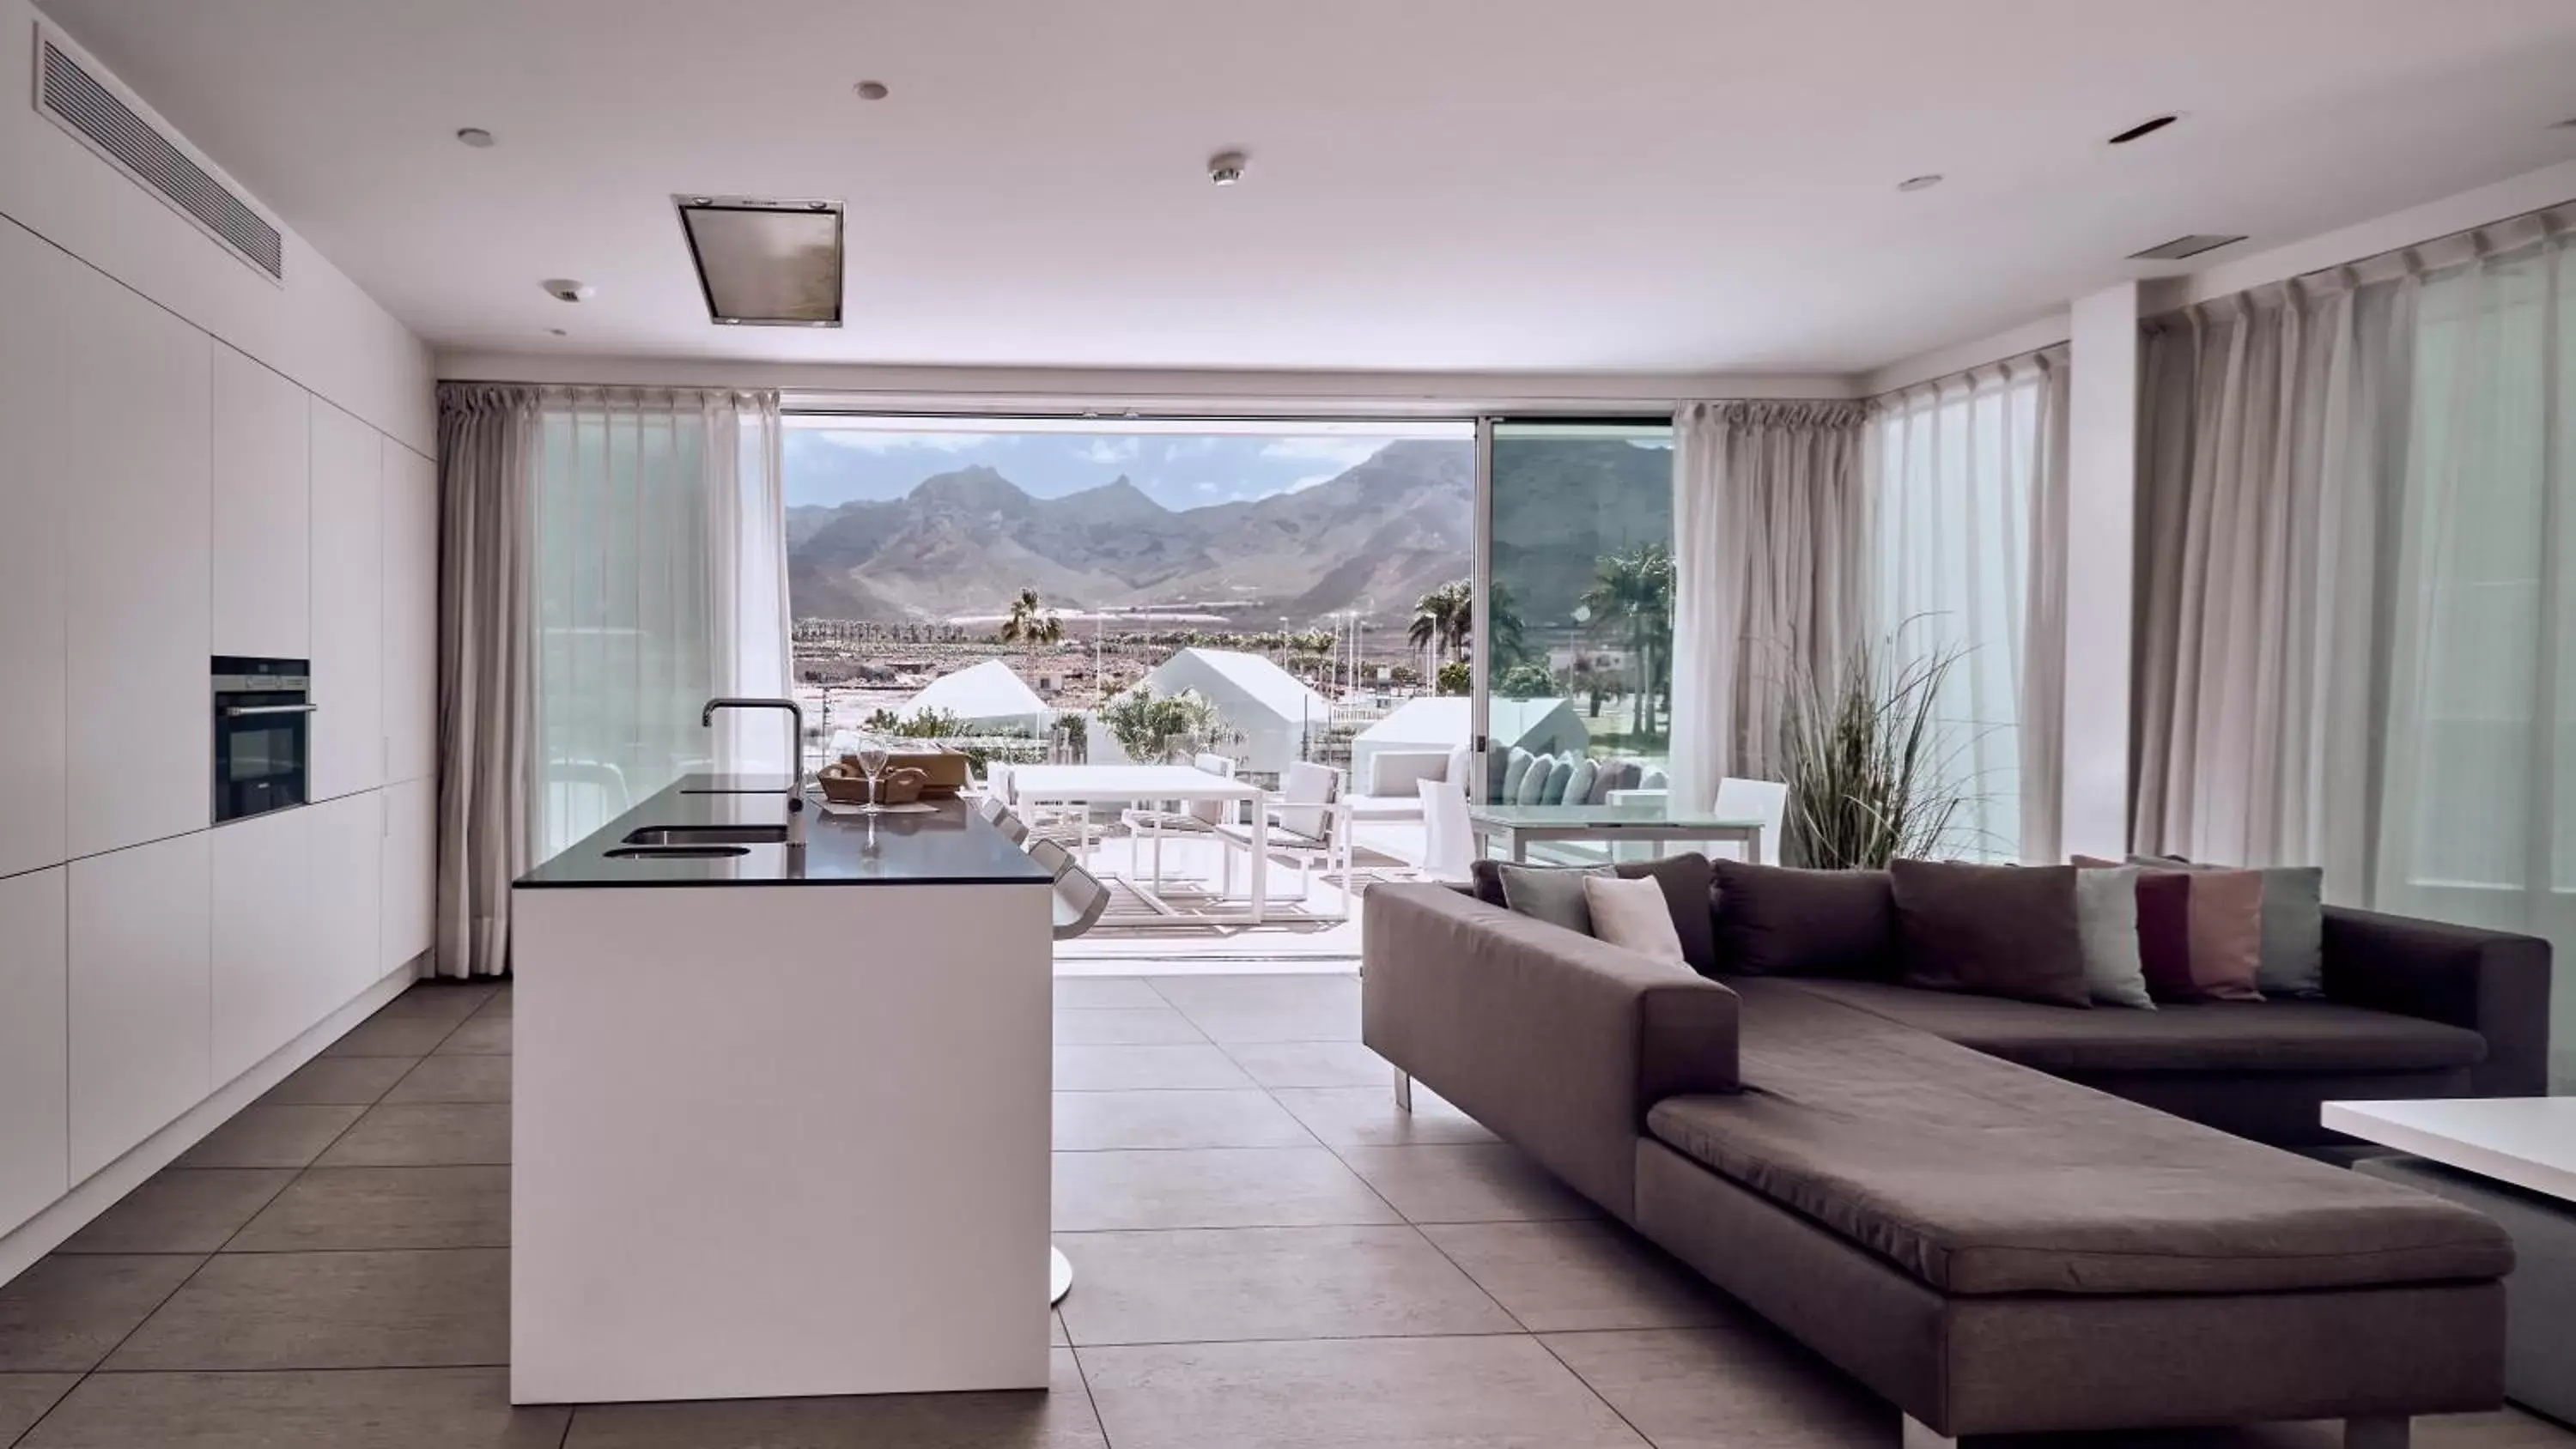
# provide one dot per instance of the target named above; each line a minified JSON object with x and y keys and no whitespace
{"x":476,"y":137}
{"x":871,"y":90}
{"x":1924,"y":182}
{"x":2144,"y":128}
{"x":1226,"y":167}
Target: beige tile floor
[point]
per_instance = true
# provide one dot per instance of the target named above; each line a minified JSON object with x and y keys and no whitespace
{"x":1267,"y":1254}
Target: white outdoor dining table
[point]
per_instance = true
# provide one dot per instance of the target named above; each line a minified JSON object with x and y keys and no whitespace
{"x":1141,"y":784}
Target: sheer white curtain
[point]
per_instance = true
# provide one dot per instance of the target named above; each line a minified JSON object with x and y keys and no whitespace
{"x":2479,"y":816}
{"x":1967,"y":485}
{"x":660,"y":582}
{"x":1769,"y":567}
{"x":2357,"y":555}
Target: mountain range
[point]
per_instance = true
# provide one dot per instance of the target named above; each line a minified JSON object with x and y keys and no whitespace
{"x":1374,"y":537}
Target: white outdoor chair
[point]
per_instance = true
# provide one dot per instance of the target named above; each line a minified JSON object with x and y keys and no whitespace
{"x":1180,"y":817}
{"x":1763,"y":800}
{"x":1309,"y":822}
{"x":1448,"y":843}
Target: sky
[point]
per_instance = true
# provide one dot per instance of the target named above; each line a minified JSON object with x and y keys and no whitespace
{"x":832,"y":466}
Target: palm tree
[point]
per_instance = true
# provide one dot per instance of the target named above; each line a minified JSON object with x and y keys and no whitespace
{"x":1031,"y":625}
{"x":1633,"y":591}
{"x":1443,"y":617}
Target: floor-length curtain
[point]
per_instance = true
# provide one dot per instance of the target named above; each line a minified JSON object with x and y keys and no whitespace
{"x":661,"y":583}
{"x":611,"y":559}
{"x":1967,"y":483}
{"x":2274,"y":435}
{"x":486,"y":670}
{"x":2357,"y":624}
{"x":1770,"y":567}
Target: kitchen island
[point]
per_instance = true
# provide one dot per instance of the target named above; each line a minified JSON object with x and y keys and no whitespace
{"x":781,"y":1117}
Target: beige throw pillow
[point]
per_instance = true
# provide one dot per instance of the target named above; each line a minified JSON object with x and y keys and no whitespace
{"x":1635,"y":915}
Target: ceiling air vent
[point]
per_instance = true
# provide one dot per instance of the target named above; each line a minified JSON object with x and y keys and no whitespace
{"x":764,"y":263}
{"x":98,"y":110}
{"x":2184,"y":246}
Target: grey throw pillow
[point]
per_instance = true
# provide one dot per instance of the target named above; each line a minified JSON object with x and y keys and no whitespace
{"x":2106,"y":919}
{"x":1549,"y":893}
{"x":2293,"y":960}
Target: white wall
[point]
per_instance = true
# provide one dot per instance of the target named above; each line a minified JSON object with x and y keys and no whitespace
{"x":318,"y":329}
{"x":158,"y":504}
{"x":2101,"y":526}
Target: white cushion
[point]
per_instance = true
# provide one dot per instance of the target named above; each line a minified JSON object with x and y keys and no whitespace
{"x":1634,"y":914}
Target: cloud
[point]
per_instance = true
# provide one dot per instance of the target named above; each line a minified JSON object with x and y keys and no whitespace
{"x":1310,"y":480}
{"x":868,"y":440}
{"x":1348,"y":452}
{"x":1110,"y":450}
{"x":1211,"y":488}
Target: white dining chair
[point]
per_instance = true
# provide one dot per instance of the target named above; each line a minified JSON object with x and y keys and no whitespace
{"x":1308,"y":822}
{"x":1448,"y":843}
{"x":1180,"y":817}
{"x":1763,"y":800}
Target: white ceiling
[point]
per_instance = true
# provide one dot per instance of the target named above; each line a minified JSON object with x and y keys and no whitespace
{"x":1489,"y":185}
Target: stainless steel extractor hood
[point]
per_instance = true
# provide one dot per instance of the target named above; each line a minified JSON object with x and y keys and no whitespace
{"x":765,"y":263}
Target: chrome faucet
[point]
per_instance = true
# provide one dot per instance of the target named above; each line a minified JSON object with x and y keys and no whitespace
{"x":795,"y":756}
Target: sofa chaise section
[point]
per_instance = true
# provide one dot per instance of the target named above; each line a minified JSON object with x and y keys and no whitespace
{"x":1549,"y":1038}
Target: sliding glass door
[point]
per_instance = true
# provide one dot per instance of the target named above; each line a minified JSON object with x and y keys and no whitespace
{"x":1571,"y":645}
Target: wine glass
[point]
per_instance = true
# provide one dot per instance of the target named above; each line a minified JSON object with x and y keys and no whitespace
{"x":872,"y":763}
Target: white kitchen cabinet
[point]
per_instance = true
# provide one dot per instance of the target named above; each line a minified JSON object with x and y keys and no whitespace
{"x":410,"y":873}
{"x":411,"y":614}
{"x":262,"y":510}
{"x":348,"y":604}
{"x":136,"y":410}
{"x":347,"y":871}
{"x":140,"y":994}
{"x":35,"y":1148}
{"x":35,"y":473}
{"x":265,"y":966}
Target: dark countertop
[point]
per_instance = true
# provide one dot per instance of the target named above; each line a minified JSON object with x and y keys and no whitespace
{"x":950,"y":845}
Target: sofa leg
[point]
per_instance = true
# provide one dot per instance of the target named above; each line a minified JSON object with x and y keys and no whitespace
{"x":2377,"y":1433}
{"x":1403,"y":1090}
{"x":1919,"y":1435}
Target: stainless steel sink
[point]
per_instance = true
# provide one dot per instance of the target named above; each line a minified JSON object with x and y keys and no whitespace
{"x":678,"y":852}
{"x":708,"y":835}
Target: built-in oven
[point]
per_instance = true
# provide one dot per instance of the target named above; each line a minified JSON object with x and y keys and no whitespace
{"x":263,"y":734}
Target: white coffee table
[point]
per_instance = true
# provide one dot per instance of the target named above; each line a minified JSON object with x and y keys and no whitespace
{"x":2514,"y":1159}
{"x":2527,"y":1141}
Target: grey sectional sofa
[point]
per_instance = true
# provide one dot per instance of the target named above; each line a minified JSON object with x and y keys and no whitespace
{"x":1958,"y":1207}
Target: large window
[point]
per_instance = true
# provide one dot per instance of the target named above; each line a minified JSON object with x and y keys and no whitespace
{"x":1580,"y":605}
{"x":1043,"y":588}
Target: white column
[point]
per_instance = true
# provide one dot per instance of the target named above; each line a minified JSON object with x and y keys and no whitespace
{"x":2102,"y":472}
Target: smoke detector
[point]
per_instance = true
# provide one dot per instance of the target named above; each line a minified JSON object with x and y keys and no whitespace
{"x":565,"y":289}
{"x":1226,"y":167}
